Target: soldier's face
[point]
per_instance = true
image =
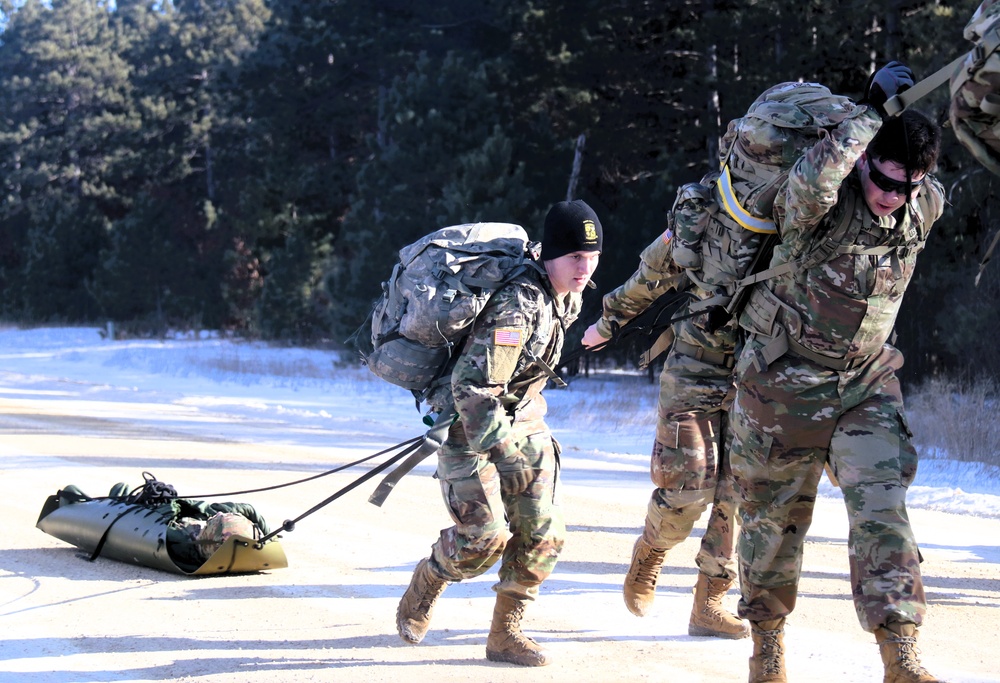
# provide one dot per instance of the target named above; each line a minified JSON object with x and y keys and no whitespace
{"x":571,"y":273}
{"x":885,"y":185}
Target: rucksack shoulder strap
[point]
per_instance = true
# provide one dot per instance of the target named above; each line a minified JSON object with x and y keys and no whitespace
{"x":896,"y":104}
{"x":839,"y":240}
{"x":957,"y":72}
{"x":931,"y":204}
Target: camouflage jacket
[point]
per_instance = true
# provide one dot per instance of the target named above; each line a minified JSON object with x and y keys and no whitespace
{"x":496,"y":383}
{"x":845,"y":306}
{"x":656,"y":275}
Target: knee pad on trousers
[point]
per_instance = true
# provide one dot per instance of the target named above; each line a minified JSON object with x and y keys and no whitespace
{"x":686,"y":453}
{"x":669,"y":522}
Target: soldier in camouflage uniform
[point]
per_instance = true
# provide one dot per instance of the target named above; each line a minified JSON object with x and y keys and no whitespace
{"x":499,"y":465}
{"x":816,"y":379}
{"x":688,"y":464}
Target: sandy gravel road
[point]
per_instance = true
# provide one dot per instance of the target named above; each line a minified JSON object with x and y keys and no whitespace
{"x":329,"y":615}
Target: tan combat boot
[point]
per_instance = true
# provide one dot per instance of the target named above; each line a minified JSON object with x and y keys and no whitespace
{"x":413,"y":616}
{"x":897,"y":642}
{"x":708,"y":618}
{"x":640,"y":582}
{"x":506,"y":643}
{"x":767,"y":665}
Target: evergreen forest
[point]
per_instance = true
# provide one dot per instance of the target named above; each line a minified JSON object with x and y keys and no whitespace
{"x":253,"y":166}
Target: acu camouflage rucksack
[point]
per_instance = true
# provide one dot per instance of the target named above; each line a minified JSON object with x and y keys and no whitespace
{"x":723,"y":227}
{"x":440,"y":285}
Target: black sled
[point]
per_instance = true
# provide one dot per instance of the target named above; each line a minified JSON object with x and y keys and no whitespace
{"x":159,"y":534}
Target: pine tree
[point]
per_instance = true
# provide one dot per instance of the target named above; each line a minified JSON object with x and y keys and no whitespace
{"x":64,"y":97}
{"x":185,"y":56}
{"x":439,"y":157}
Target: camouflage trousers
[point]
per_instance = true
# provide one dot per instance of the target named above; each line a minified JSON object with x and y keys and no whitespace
{"x":526,"y":530}
{"x":689,"y":465}
{"x":787,"y":423}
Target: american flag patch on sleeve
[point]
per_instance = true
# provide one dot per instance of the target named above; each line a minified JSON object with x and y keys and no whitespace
{"x":504,"y":337}
{"x":667,"y":235}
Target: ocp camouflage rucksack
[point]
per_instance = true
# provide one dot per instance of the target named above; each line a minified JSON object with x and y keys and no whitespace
{"x":759,"y":148}
{"x":430,"y":301}
{"x":723,"y":225}
{"x":975,"y":89}
{"x":974,"y":111}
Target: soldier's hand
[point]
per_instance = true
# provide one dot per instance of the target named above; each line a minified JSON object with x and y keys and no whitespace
{"x":516,"y":473}
{"x":887,"y":82}
{"x":591,"y":337}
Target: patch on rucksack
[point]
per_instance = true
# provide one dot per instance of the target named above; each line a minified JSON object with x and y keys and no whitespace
{"x":975,"y":89}
{"x":440,"y":285}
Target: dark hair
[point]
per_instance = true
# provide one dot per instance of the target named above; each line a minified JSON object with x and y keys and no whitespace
{"x":910,"y":139}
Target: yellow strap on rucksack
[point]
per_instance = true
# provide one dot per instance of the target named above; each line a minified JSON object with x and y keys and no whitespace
{"x":731,"y":204}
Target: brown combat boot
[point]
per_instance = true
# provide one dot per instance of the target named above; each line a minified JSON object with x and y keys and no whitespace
{"x":506,"y":643}
{"x":640,"y":582}
{"x":708,"y":618}
{"x":767,"y":665}
{"x":897,"y":642}
{"x":413,"y":616}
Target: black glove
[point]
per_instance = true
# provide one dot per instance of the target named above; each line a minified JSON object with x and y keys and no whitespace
{"x":887,"y":82}
{"x":516,"y":473}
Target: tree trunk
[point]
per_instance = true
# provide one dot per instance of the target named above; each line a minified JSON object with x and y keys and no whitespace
{"x":574,"y":175}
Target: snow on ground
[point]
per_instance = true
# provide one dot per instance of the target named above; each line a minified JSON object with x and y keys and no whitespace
{"x":606,"y":423}
{"x":214,"y":414}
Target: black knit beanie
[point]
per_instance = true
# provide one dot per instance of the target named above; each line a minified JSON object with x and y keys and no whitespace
{"x":571,"y":226}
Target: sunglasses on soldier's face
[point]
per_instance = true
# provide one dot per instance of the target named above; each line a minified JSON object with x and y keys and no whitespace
{"x":887,"y":184}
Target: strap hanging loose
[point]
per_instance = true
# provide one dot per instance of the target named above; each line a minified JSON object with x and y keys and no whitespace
{"x":546,"y":368}
{"x":987,"y":257}
{"x":661,"y":344}
{"x":432,"y":442}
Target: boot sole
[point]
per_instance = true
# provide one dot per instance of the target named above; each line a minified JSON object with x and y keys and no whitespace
{"x":408,"y":636}
{"x":514,"y":659}
{"x":634,"y":606}
{"x":636,"y":612}
{"x":701,"y":631}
